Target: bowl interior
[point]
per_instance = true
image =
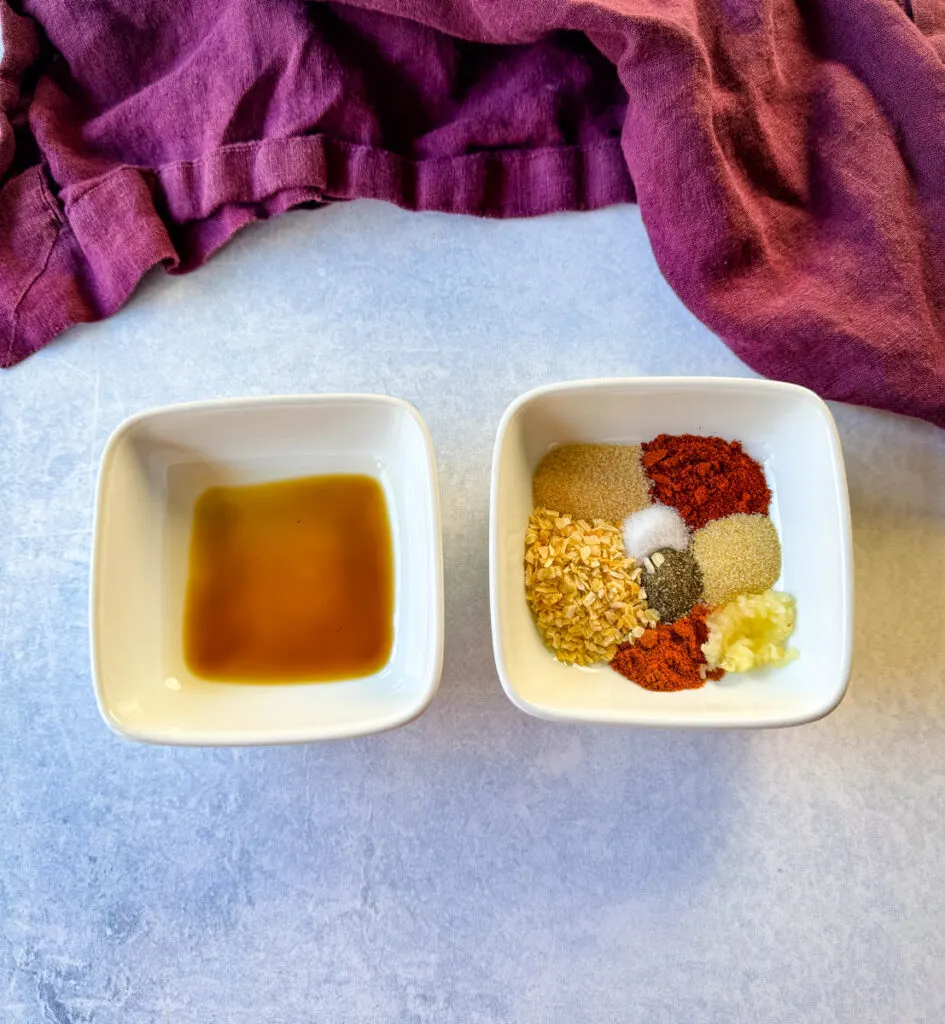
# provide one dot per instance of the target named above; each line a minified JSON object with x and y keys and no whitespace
{"x":154,"y":469}
{"x":791,"y":432}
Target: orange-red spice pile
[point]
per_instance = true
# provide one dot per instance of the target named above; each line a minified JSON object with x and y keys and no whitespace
{"x":704,"y":478}
{"x":670,"y":656}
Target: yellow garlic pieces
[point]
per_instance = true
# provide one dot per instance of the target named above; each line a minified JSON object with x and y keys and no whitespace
{"x":751,"y":631}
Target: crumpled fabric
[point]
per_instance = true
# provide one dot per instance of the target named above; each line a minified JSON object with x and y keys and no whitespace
{"x":788,"y":157}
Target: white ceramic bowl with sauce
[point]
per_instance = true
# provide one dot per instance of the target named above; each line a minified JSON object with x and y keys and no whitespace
{"x":791,"y":432}
{"x":154,"y":467}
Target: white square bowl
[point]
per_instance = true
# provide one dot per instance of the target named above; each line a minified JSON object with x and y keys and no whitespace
{"x":155,"y":466}
{"x":791,"y":432}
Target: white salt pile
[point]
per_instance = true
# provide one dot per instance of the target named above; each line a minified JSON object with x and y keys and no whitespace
{"x":652,"y":528}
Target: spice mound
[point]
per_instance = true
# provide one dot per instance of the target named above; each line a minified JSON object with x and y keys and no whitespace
{"x":582,"y":588}
{"x":660,"y":559}
{"x":737,"y":555}
{"x":592,"y":481}
{"x":653,"y":528}
{"x":673,"y":583}
{"x":751,"y":632}
{"x":705,"y":478}
{"x":670,"y":656}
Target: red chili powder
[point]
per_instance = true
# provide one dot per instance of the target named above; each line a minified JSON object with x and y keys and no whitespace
{"x":704,"y":478}
{"x":669,"y":656}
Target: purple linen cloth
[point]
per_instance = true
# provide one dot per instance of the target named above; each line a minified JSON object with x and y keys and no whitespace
{"x":788,"y":157}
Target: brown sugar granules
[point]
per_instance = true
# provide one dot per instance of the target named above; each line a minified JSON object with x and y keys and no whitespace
{"x":670,"y":656}
{"x":592,"y":481}
{"x":704,"y":478}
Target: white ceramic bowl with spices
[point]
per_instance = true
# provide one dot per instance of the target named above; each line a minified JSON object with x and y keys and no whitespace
{"x":791,"y":433}
{"x":154,"y":468}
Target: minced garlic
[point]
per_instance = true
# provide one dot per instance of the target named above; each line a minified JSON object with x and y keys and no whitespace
{"x":751,"y":632}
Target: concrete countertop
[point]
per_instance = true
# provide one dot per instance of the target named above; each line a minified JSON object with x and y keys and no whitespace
{"x":478,"y":865}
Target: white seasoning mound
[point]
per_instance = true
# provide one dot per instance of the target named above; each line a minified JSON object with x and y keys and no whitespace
{"x":584,"y":592}
{"x":652,"y":529}
{"x":740,"y":554}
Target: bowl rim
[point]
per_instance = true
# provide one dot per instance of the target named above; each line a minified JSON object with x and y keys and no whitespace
{"x":684,"y":383}
{"x":246,"y":737}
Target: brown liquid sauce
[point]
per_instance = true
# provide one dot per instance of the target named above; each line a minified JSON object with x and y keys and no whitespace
{"x":290,"y":581}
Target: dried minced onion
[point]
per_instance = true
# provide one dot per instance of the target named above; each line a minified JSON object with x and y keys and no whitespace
{"x":582,"y":587}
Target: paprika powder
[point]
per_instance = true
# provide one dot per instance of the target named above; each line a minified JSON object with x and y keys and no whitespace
{"x":670,"y":656}
{"x":704,"y":478}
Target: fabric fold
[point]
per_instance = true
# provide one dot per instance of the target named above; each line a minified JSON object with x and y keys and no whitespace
{"x":788,"y":161}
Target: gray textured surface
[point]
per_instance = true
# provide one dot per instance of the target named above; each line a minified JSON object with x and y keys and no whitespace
{"x":478,"y":865}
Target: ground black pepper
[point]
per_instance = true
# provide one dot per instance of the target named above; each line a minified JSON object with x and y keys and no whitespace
{"x":674,"y":585}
